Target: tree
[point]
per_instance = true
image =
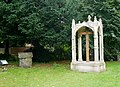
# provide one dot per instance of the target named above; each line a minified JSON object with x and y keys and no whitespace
{"x":109,"y":11}
{"x":7,"y":1}
{"x":9,"y":24}
{"x":48,"y":22}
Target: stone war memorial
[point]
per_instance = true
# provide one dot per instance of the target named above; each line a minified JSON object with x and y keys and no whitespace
{"x":94,"y":28}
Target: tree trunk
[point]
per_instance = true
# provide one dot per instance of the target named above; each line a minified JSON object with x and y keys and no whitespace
{"x":6,"y":46}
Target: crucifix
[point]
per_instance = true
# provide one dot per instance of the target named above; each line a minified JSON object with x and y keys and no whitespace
{"x":87,"y":43}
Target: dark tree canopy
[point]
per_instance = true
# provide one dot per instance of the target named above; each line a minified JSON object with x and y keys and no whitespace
{"x":7,"y":1}
{"x":49,"y":22}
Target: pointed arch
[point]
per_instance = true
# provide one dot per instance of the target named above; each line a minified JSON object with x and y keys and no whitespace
{"x":97,"y":29}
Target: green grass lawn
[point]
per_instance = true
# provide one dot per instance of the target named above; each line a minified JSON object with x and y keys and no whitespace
{"x":58,"y":74}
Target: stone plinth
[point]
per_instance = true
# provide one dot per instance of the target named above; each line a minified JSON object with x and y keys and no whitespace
{"x":88,"y":66}
{"x":118,"y":56}
{"x":25,"y":59}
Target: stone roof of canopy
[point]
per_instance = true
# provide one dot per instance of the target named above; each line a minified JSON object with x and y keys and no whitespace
{"x":89,"y":24}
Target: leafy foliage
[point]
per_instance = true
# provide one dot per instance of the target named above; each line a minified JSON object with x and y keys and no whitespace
{"x":49,"y":23}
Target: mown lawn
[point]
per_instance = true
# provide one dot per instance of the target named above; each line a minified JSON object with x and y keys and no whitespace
{"x":58,"y":74}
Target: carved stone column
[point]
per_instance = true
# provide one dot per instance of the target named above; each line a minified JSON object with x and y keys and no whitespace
{"x":95,"y":45}
{"x":100,"y":46}
{"x":73,"y":42}
{"x":79,"y":47}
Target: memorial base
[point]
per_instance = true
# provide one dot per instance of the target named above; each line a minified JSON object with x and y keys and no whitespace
{"x":25,"y":59}
{"x":88,"y":66}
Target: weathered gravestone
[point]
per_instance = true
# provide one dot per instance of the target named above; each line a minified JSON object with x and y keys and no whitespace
{"x":3,"y":64}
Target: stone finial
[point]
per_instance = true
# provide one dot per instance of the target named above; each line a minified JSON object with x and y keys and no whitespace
{"x":95,"y":18}
{"x":89,"y":18}
{"x":100,"y":20}
{"x":73,"y":23}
